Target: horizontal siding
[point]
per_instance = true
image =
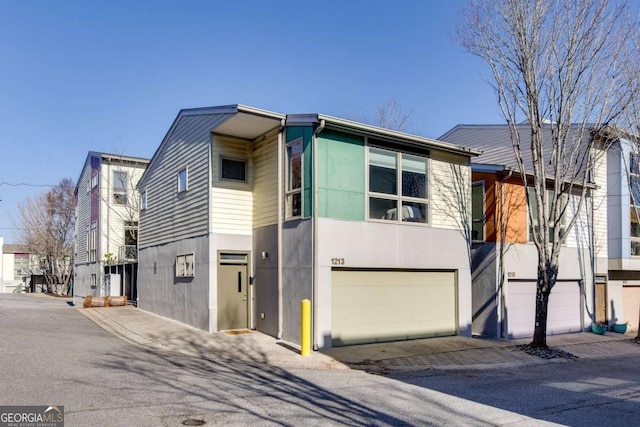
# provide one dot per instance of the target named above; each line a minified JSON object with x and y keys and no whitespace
{"x":83,"y":220}
{"x":600,"y":208}
{"x":171,"y":216}
{"x":231,"y":202}
{"x":450,"y":197}
{"x":265,"y":187}
{"x":113,"y":216}
{"x":231,"y":211}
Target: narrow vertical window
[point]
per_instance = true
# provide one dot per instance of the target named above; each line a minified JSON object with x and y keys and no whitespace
{"x":183,"y":180}
{"x":477,"y":211}
{"x":143,"y":200}
{"x":294,"y":179}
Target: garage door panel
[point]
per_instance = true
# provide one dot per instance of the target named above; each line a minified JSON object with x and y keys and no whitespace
{"x":373,"y":306}
{"x":631,"y":305}
{"x":564,"y":314}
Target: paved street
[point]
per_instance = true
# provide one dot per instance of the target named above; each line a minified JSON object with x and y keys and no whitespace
{"x":53,"y":355}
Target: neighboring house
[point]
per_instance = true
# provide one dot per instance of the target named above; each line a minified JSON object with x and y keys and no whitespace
{"x":623,"y":180}
{"x":246,"y":212}
{"x":504,"y":258}
{"x":18,"y":270}
{"x":106,"y":228}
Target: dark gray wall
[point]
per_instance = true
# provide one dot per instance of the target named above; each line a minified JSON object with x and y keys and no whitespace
{"x":297,"y":272}
{"x":265,"y":239}
{"x":161,"y":292}
{"x":484,"y":292}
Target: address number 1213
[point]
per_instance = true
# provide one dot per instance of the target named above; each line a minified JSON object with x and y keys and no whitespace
{"x":337,"y":261}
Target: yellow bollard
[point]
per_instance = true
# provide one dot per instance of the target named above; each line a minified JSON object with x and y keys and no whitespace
{"x":305,"y":333}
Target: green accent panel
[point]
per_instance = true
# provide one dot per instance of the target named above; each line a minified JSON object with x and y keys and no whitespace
{"x":341,"y":176}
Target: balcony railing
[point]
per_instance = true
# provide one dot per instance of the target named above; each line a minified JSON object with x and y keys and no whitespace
{"x":128,"y":253}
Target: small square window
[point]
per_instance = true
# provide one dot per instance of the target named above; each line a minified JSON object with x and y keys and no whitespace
{"x":233,"y":169}
{"x":184,"y":265}
{"x":183,"y":180}
{"x":119,"y":198}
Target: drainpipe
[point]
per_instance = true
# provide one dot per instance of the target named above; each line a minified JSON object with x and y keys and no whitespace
{"x":503,"y":233}
{"x":280,"y":218}
{"x":314,"y":301}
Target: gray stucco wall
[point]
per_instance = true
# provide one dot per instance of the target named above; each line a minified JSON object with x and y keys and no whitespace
{"x":161,"y":292}
{"x":297,"y":274}
{"x":485,"y":295}
{"x":82,"y":282}
{"x":520,"y":262}
{"x":265,"y":283}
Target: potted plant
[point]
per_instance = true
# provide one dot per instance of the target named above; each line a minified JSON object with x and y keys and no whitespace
{"x":620,"y":328}
{"x":598,"y":328}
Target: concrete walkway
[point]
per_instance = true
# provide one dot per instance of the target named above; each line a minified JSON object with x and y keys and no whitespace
{"x":158,"y":333}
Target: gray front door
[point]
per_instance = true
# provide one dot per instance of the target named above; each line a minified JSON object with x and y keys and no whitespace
{"x":233,"y":296}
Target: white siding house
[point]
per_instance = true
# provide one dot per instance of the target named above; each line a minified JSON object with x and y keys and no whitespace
{"x":106,"y":228}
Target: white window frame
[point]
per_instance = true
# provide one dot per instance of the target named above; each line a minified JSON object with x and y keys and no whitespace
{"x":482,"y":220}
{"x":180,"y":180}
{"x":634,"y":205}
{"x":398,"y":197}
{"x":245,"y":161}
{"x":120,"y":196}
{"x":291,"y":193}
{"x":93,"y":182}
{"x":143,"y":200}
{"x":185,"y":265}
{"x":530,"y":226}
{"x":93,"y":242}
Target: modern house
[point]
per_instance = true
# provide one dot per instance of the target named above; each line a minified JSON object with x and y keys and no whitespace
{"x":106,"y":228}
{"x":623,"y":185}
{"x":246,"y":212}
{"x":504,"y":258}
{"x":20,"y":270}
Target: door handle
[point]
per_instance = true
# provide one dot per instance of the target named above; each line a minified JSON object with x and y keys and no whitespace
{"x":239,"y":281}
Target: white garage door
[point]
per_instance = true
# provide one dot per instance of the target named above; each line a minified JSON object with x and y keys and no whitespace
{"x":564,"y":316}
{"x":631,"y":298}
{"x":373,"y":305}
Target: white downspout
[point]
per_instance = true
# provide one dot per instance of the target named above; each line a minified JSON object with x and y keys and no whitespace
{"x":314,"y":285}
{"x":280,"y":219}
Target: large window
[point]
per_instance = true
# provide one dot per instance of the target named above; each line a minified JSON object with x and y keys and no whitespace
{"x":120,"y":180}
{"x":183,"y":178}
{"x":397,"y":183}
{"x":477,"y":211}
{"x":534,"y":227}
{"x":233,"y":169}
{"x":294,"y":179}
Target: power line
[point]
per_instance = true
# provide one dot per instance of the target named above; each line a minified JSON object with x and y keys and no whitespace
{"x":25,"y":184}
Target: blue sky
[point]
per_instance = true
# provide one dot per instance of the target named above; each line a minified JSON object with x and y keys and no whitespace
{"x":111,"y":76}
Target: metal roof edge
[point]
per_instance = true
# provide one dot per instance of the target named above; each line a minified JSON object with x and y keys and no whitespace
{"x":397,"y":135}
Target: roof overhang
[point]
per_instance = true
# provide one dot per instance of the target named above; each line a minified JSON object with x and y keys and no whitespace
{"x":513,"y":172}
{"x":249,"y":123}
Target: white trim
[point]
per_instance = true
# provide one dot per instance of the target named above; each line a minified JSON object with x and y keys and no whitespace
{"x":295,"y":191}
{"x":186,"y":179}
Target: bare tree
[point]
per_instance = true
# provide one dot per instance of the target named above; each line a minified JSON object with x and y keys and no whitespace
{"x":47,"y":224}
{"x":388,"y":115}
{"x":568,"y":69}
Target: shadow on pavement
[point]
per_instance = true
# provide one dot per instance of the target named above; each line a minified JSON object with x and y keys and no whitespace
{"x":605,"y":390}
